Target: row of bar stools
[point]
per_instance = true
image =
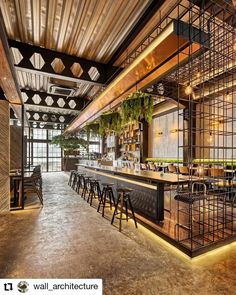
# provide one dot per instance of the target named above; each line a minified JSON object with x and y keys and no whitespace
{"x":71,"y":179}
{"x":107,"y":196}
{"x":123,"y":200}
{"x":93,"y":190}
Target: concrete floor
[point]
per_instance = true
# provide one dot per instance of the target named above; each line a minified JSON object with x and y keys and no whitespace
{"x":69,"y":239}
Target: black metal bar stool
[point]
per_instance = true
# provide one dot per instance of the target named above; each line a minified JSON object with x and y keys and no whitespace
{"x":106,"y":196}
{"x":94,"y":189}
{"x":85,"y":185}
{"x":75,"y":179}
{"x":79,"y":181}
{"x":124,"y":200}
{"x":72,"y":172}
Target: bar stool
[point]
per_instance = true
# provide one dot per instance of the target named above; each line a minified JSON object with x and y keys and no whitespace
{"x":93,"y":189}
{"x":85,"y":185}
{"x":71,"y":177}
{"x":74,"y":182}
{"x":106,"y":196}
{"x":123,"y":199}
{"x":79,"y":181}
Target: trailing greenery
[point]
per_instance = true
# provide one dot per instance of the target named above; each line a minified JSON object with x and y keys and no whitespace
{"x":137,"y":106}
{"x":197,"y":161}
{"x":92,"y":128}
{"x":110,"y":121}
{"x":68,"y":144}
{"x":164,"y":160}
{"x":216,"y":161}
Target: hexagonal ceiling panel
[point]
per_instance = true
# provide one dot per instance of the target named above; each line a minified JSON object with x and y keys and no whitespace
{"x":94,"y":73}
{"x":37,"y":61}
{"x":61,"y":102}
{"x":72,"y":104}
{"x":49,"y":101}
{"x":36,"y":116}
{"x":17,"y":56}
{"x":58,"y":65}
{"x":24,"y":96}
{"x":61,"y":119}
{"x":36,"y":99}
{"x":76,"y":69}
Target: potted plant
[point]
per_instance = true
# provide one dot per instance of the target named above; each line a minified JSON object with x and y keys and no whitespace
{"x":69,"y":145}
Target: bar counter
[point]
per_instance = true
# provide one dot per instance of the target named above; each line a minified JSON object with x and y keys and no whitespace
{"x":154,"y":204}
{"x":148,"y":187}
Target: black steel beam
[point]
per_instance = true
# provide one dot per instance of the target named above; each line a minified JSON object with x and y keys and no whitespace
{"x":49,"y":118}
{"x":48,"y":56}
{"x":80,"y":102}
{"x":167,"y":89}
{"x":149,"y":12}
{"x":35,"y":125}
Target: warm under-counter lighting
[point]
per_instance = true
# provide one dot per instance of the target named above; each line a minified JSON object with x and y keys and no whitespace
{"x":188,"y":90}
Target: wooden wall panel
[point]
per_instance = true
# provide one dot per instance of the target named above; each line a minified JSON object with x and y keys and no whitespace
{"x":15,"y":147}
{"x":4,"y":156}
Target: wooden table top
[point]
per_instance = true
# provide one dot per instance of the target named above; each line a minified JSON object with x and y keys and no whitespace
{"x":154,"y":176}
{"x":15,"y":175}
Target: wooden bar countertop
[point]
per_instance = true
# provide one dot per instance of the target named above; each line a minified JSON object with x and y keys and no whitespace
{"x":169,"y":178}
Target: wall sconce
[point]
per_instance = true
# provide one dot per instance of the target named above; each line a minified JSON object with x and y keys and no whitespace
{"x":211,"y":137}
{"x":174,"y":130}
{"x":159,"y":134}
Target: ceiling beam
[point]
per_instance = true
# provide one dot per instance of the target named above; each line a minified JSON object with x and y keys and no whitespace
{"x":48,"y":126}
{"x":45,"y":117}
{"x":53,"y":101}
{"x":62,"y":66}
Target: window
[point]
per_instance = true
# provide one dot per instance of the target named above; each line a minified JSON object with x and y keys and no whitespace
{"x":43,"y":152}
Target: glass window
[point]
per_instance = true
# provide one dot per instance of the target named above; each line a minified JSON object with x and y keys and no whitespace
{"x":54,"y":151}
{"x":52,"y":133}
{"x":39,"y":149}
{"x":39,"y":134}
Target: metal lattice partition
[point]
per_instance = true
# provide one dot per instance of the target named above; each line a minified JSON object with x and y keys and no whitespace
{"x":206,"y":209}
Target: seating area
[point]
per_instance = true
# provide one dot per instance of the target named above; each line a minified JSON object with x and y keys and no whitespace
{"x":30,"y":185}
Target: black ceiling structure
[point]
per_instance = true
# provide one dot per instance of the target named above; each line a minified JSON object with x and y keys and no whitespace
{"x":67,"y":62}
{"x":54,"y":101}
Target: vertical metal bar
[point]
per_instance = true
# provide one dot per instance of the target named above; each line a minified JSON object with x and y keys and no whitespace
{"x":22,"y":155}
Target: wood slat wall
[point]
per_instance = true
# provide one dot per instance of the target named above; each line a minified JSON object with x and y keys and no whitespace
{"x":4,"y":156}
{"x":15,"y":147}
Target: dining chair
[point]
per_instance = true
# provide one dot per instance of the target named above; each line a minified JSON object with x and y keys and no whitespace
{"x":172,"y":168}
{"x":184,"y":170}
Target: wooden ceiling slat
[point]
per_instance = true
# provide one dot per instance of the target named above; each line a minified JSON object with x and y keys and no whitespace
{"x":55,"y":25}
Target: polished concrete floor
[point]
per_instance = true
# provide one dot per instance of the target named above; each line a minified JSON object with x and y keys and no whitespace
{"x":68,"y":239}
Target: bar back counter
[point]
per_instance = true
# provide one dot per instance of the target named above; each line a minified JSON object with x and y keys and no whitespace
{"x":155,"y":204}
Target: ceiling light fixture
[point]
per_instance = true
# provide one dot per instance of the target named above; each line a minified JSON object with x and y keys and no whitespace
{"x":188,"y":90}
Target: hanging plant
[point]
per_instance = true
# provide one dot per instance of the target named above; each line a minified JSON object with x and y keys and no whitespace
{"x":92,"y":128}
{"x":138,"y":105}
{"x":68,"y":144}
{"x":110,"y":121}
